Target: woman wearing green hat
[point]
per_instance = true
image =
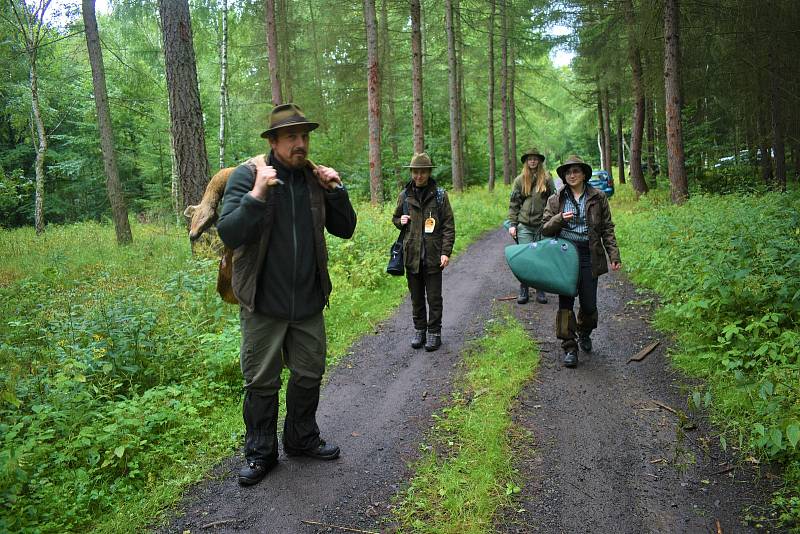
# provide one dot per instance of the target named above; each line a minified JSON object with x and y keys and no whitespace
{"x":423,"y":209}
{"x":580,"y":213}
{"x":529,"y":195}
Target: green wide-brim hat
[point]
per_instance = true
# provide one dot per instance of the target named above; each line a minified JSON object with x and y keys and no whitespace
{"x":532,"y":152}
{"x":285,"y":115}
{"x":420,"y":161}
{"x":575,"y":160}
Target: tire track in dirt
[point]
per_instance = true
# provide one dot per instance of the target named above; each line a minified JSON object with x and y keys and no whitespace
{"x":376,"y":405}
{"x":599,"y":455}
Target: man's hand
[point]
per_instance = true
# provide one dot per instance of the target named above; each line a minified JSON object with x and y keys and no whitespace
{"x":513,"y":231}
{"x":404,"y":219}
{"x":328,"y":177}
{"x":616,"y":266}
{"x":444,"y":261}
{"x":266,"y":177}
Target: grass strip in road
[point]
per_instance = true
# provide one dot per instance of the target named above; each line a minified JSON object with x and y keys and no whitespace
{"x":466,"y":473}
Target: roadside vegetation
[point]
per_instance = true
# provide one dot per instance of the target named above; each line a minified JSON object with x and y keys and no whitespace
{"x":466,"y":472}
{"x":726,"y":269}
{"x":119,"y":368}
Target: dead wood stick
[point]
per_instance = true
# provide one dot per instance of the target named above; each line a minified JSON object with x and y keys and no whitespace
{"x":218,"y":523}
{"x":662,"y":405}
{"x":642,"y":354}
{"x":512,"y":297}
{"x":719,"y":527}
{"x":348,"y":529}
{"x":726,"y":470}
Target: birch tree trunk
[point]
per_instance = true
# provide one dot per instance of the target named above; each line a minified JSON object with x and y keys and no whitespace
{"x":676,"y":160}
{"x":374,"y":102}
{"x":490,"y":100}
{"x":116,"y":196}
{"x":455,"y":136}
{"x":186,"y":115}
{"x":40,"y":144}
{"x":223,"y":82}
{"x":416,"y":77}
{"x":272,"y":52}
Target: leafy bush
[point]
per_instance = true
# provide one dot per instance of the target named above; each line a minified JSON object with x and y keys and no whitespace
{"x":727,"y":270}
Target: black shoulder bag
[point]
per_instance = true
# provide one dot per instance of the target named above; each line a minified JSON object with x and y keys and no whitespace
{"x":396,"y":266}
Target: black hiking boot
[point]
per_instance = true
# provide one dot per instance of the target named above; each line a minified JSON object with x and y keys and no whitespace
{"x":434,"y":342}
{"x":419,"y":339}
{"x":254,"y":472}
{"x":571,"y":358}
{"x":322,"y":451}
{"x":585,"y":342}
{"x":523,"y":294}
{"x":541,"y":298}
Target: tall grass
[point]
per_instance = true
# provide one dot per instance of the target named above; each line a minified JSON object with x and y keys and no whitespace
{"x":119,"y":372}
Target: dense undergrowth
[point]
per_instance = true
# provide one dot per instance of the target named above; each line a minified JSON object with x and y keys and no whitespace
{"x":119,"y":371}
{"x":466,"y":471}
{"x":726,"y":269}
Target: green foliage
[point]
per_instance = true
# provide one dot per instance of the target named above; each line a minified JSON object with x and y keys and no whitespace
{"x":727,"y":270}
{"x":119,"y":368}
{"x":465,"y":473}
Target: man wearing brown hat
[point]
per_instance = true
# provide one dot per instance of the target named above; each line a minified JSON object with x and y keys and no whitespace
{"x":274,"y":218}
{"x":423,"y":212}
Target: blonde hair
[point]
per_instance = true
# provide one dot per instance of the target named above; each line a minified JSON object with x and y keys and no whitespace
{"x":527,"y":178}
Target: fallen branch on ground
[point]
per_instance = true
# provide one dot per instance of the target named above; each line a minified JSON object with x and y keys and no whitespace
{"x":642,"y":354}
{"x":348,"y":529}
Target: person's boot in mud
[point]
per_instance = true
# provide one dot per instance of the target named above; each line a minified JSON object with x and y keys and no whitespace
{"x":541,"y":297}
{"x":565,"y":331}
{"x":261,"y":440}
{"x":434,"y":341}
{"x":523,"y":294}
{"x":419,"y":339}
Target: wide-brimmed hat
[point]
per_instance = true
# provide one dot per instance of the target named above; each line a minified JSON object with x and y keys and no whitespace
{"x":420,"y":161}
{"x":574,"y":160}
{"x":532,"y":152}
{"x":285,"y":115}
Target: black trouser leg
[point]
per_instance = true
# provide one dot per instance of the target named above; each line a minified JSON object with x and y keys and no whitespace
{"x":261,"y":433}
{"x":426,"y":286}
{"x":416,"y":286}
{"x":300,"y":430}
{"x":566,"y":324}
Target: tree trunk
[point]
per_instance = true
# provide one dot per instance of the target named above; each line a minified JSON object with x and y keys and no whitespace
{"x":607,"y":132}
{"x":512,"y":111}
{"x":455,"y":105}
{"x":777,"y":123}
{"x":416,"y":77}
{"x":285,"y":49}
{"x":462,"y":110}
{"x":40,"y":143}
{"x":650,"y":113}
{"x":317,"y":66}
{"x":637,"y":79}
{"x":374,"y":102}
{"x":679,"y":189}
{"x":507,"y":169}
{"x":490,"y":100}
{"x":272,"y":51}
{"x":620,"y":138}
{"x":223,"y":82}
{"x":601,"y":139}
{"x":116,"y":196}
{"x":387,"y":82}
{"x":186,"y":115}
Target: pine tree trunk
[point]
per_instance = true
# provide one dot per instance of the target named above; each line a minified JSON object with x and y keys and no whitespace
{"x":601,"y":139}
{"x":620,"y":140}
{"x":777,"y":123}
{"x":490,"y":100}
{"x":455,"y":137}
{"x":223,"y":82}
{"x":650,"y":113}
{"x":607,"y":132}
{"x":186,"y":115}
{"x":507,"y":169}
{"x":272,"y":51}
{"x":387,"y":82}
{"x":374,"y":102}
{"x":317,"y":66}
{"x":285,"y":49}
{"x":116,"y":196}
{"x":676,"y":160}
{"x":462,"y":109}
{"x":416,"y":77}
{"x":512,"y":112}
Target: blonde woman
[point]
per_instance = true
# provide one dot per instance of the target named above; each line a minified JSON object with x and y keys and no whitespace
{"x":529,"y":196}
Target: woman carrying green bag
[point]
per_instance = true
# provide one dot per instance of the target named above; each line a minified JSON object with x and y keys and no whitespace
{"x":581,"y":214}
{"x":525,"y":209}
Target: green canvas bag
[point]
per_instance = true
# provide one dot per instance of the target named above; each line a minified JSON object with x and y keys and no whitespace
{"x":550,"y":265}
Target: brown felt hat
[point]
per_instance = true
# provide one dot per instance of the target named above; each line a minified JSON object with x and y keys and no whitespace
{"x":285,"y":115}
{"x":532,"y":152}
{"x":420,"y":161}
{"x":575,"y":160}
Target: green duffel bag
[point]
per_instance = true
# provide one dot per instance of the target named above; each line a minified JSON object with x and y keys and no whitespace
{"x":550,"y":265}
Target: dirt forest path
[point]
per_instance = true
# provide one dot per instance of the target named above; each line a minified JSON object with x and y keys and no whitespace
{"x":585,"y":445}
